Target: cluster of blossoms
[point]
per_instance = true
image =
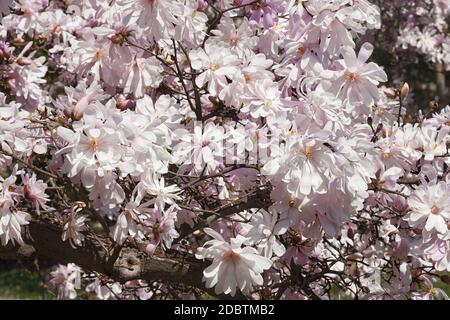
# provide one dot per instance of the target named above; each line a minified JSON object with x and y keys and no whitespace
{"x":425,"y":29}
{"x":414,"y":44}
{"x":255,"y":138}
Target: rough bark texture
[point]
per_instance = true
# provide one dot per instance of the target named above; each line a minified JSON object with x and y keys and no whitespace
{"x":121,"y":264}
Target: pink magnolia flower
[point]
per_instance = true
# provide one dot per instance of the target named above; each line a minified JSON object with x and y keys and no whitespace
{"x":262,"y":231}
{"x":215,"y":64}
{"x":128,"y":222}
{"x":34,"y":190}
{"x":11,"y":219}
{"x":233,"y":267}
{"x":160,"y":228}
{"x":357,"y":81}
{"x":143,"y":73}
{"x":268,"y":10}
{"x":65,"y":280}
{"x":105,"y":291}
{"x":156,"y":187}
{"x":74,"y":226}
{"x":430,"y":207}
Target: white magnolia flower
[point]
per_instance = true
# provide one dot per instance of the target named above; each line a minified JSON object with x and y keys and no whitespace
{"x":74,"y":226}
{"x":11,"y":220}
{"x":217,"y":63}
{"x":263,"y":99}
{"x":127,"y":224}
{"x":66,"y":280}
{"x":234,"y":267}
{"x":205,"y":147}
{"x":430,"y":207}
{"x":157,"y":187}
{"x":90,"y":153}
{"x":143,"y":73}
{"x":357,"y":82}
{"x":262,"y":231}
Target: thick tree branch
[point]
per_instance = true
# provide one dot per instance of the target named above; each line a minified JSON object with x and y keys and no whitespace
{"x":47,"y":245}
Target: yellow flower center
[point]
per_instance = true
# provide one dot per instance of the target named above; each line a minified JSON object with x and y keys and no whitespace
{"x":386,"y":155}
{"x":214,"y":66}
{"x":435,"y":209}
{"x":94,"y":144}
{"x":247,"y":77}
{"x":98,"y":55}
{"x":291,"y":202}
{"x":308,"y":152}
{"x":231,"y":255}
{"x":352,"y":76}
{"x":301,"y":51}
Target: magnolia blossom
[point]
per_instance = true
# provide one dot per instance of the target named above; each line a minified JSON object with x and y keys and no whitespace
{"x":156,"y":17}
{"x":90,"y":153}
{"x":66,"y":280}
{"x":203,"y":148}
{"x":306,"y":170}
{"x":156,"y":187}
{"x":357,"y":82}
{"x":11,"y":223}
{"x":11,"y":219}
{"x":435,"y":143}
{"x":74,"y":226}
{"x":261,"y":124}
{"x":430,"y":207}
{"x":160,"y":228}
{"x":108,"y":291}
{"x":216,"y":65}
{"x":263,"y":99}
{"x":34,"y":190}
{"x":265,"y":9}
{"x":262,"y":231}
{"x":127,"y":223}
{"x":239,"y":38}
{"x":143,"y":73}
{"x":233,"y":267}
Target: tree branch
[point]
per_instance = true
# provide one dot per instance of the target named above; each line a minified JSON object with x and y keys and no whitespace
{"x":130,"y":264}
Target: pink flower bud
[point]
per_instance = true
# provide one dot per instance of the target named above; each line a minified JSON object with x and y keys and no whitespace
{"x":405,"y":90}
{"x":79,"y":108}
{"x":202,"y":5}
{"x":22,"y":61}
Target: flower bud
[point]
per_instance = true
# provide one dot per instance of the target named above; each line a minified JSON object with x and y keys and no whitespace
{"x":18,"y":40}
{"x":169,"y":61}
{"x":79,"y":107}
{"x":214,"y":100}
{"x":390,"y":93}
{"x":350,"y":233}
{"x":123,"y":103}
{"x":404,"y":91}
{"x":202,"y":5}
{"x":4,"y":54}
{"x":22,"y":61}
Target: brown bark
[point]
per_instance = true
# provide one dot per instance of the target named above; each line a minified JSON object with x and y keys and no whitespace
{"x":130,"y":264}
{"x":121,"y":263}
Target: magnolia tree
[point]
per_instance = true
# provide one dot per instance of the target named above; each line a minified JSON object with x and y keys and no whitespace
{"x":161,"y":149}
